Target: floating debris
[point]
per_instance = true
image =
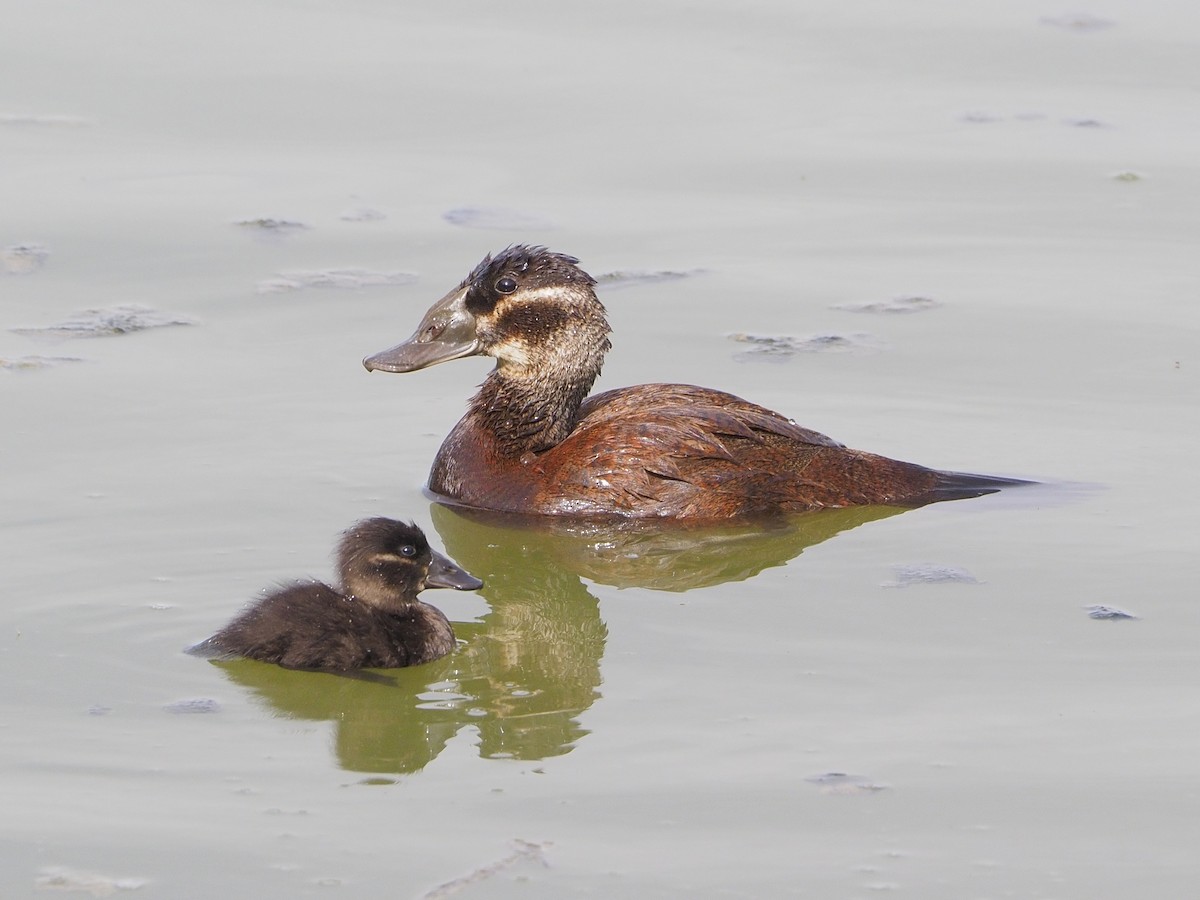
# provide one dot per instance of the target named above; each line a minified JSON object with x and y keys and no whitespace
{"x":1100,"y":611}
{"x":193,"y":706}
{"x":1127,"y":175}
{"x":103,"y":322}
{"x":841,"y":783}
{"x":780,"y":348}
{"x":1084,"y":122}
{"x":33,"y":363}
{"x":333,"y":278}
{"x":363,"y":214}
{"x":23,"y":259}
{"x":62,"y":879}
{"x":929,"y":573}
{"x":620,"y":279}
{"x":496,"y":217}
{"x":1081,"y":22}
{"x":904,"y":304}
{"x":273,"y":226}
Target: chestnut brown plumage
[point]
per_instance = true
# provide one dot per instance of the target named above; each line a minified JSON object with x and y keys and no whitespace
{"x":530,"y":441}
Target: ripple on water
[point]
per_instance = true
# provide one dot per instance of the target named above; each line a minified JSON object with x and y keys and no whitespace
{"x":903,"y":305}
{"x":63,"y":879}
{"x":271,"y":225}
{"x":627,"y":278}
{"x":23,"y":259}
{"x":496,"y":218}
{"x":363,"y":214}
{"x":522,"y":851}
{"x":42,"y":120}
{"x":843,"y":783}
{"x":124,"y":319}
{"x":985,"y":117}
{"x":345,"y":279}
{"x":193,"y":706}
{"x":929,"y":573}
{"x":1079,"y":22}
{"x":34,"y":363}
{"x":1108,"y":613}
{"x":780,"y":348}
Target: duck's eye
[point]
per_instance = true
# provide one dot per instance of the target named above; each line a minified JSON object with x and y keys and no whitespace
{"x":506,"y":285}
{"x":407,"y":550}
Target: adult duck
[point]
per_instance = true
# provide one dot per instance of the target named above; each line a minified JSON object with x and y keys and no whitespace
{"x":531,"y":443}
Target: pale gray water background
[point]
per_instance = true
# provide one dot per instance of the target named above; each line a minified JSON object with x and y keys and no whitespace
{"x":1031,"y":168}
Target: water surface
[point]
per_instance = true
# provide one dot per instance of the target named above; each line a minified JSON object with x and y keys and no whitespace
{"x":913,"y":704}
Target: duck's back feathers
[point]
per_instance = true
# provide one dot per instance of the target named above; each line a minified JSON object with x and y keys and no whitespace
{"x":700,"y":453}
{"x":711,"y":411}
{"x":683,"y":451}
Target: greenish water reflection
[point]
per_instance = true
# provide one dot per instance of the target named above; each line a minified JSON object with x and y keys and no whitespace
{"x":661,"y":556}
{"x":523,"y":675}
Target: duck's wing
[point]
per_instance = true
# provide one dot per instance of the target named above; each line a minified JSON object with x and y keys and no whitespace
{"x":683,"y":451}
{"x":710,"y":410}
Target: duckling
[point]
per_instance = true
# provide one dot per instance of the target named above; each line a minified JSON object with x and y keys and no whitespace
{"x":531,"y":443}
{"x":372,"y":621}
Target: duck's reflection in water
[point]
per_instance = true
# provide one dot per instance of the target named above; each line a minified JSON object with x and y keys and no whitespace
{"x":525,"y":672}
{"x":647,"y":553}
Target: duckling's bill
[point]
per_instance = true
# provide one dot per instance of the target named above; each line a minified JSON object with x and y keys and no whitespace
{"x":445,"y":574}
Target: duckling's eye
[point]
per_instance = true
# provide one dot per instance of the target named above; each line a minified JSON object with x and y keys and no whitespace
{"x":407,"y":550}
{"x":506,"y":285}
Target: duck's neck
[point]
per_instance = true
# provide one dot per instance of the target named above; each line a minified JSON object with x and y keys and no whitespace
{"x":529,"y":409}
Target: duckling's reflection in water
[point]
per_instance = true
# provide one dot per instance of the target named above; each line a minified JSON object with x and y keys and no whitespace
{"x":524,"y":674}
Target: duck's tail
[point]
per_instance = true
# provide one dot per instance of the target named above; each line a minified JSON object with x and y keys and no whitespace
{"x":964,"y":485}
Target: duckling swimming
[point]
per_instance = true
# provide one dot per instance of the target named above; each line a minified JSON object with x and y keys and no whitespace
{"x":530,"y":441}
{"x":372,"y":621}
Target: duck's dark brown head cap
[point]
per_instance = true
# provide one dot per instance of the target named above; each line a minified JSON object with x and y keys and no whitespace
{"x":519,"y":266}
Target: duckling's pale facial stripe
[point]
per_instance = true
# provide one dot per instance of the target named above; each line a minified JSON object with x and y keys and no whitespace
{"x":379,"y":558}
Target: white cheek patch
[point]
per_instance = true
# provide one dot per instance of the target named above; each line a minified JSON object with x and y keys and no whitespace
{"x":519,"y":351}
{"x":513,"y":352}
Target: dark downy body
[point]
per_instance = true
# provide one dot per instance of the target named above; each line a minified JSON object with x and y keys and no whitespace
{"x":373,"y":621}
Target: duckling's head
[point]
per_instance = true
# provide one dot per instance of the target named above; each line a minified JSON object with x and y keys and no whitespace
{"x":387,"y":563}
{"x":534,"y":311}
